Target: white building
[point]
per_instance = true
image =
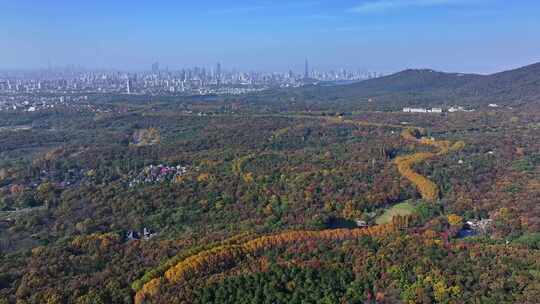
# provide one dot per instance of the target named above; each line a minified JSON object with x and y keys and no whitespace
{"x":456,"y":109}
{"x":422,"y":110}
{"x":459,"y":109}
{"x":414,"y":110}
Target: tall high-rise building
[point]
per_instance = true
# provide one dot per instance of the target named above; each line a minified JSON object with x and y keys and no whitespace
{"x":306,"y":71}
{"x":155,"y":67}
{"x":128,"y":85}
{"x":218,"y":74}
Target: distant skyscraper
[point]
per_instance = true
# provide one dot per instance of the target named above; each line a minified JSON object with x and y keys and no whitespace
{"x":128,"y":85}
{"x":155,"y":67}
{"x":218,"y":74}
{"x":183,"y":75}
{"x":306,"y":71}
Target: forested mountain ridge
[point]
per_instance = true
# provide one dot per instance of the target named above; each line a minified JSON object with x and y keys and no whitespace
{"x":413,"y":80}
{"x":515,"y":86}
{"x":428,"y":87}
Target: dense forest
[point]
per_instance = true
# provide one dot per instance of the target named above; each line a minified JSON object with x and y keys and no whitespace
{"x":283,"y":200}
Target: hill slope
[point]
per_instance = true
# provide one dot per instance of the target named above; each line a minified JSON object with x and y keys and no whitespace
{"x":426,"y":86}
{"x":519,"y":85}
{"x":428,"y":81}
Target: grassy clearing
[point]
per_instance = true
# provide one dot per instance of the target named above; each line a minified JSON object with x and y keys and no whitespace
{"x":402,"y":209}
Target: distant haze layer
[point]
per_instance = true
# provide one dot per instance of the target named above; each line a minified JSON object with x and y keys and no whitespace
{"x":481,"y":36}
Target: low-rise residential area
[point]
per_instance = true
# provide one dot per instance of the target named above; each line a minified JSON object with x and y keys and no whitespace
{"x":48,"y":103}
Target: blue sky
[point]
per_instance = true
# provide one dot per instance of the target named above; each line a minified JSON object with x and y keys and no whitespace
{"x":379,"y":35}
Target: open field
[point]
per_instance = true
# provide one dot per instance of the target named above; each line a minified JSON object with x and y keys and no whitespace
{"x":401,"y":209}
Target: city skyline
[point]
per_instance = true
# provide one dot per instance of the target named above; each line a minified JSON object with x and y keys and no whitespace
{"x":480,"y":36}
{"x":158,"y":81}
{"x":218,"y":66}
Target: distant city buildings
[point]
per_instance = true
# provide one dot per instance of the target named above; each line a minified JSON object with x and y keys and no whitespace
{"x":49,"y":102}
{"x":128,"y":85}
{"x":155,"y":67}
{"x":69,"y":88}
{"x":187,"y":81}
{"x":218,"y":74}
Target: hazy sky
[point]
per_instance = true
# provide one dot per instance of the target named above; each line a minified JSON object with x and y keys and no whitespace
{"x":379,"y":35}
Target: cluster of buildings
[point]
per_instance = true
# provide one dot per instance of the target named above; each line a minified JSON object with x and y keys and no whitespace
{"x":146,"y":234}
{"x":422,"y":110}
{"x":188,"y":81}
{"x":45,"y":102}
{"x":476,"y":227}
{"x":60,"y":178}
{"x":158,"y":174}
{"x":451,"y":109}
